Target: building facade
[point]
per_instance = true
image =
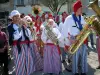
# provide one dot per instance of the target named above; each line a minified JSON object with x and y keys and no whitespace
{"x":25,"y":6}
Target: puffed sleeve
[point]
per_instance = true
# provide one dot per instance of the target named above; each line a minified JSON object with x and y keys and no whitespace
{"x":43,"y":36}
{"x":58,"y":34}
{"x":28,"y":32}
{"x":17,"y":34}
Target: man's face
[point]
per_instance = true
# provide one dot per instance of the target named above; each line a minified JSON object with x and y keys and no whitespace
{"x":79,"y":11}
{"x":16,"y":18}
{"x":64,"y":15}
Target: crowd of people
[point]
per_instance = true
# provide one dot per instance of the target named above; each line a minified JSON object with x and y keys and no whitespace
{"x":35,"y":50}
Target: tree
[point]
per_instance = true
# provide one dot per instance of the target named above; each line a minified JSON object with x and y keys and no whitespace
{"x":3,"y":1}
{"x":54,"y":5}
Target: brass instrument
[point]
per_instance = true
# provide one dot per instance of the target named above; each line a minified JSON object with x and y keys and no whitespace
{"x":96,"y":23}
{"x":51,"y":35}
{"x":86,"y":31}
{"x":80,"y":39}
{"x":36,"y":9}
{"x":94,"y":5}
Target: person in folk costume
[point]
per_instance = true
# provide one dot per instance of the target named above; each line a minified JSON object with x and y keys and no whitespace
{"x":72,"y":26}
{"x":62,"y":45}
{"x":43,"y":17}
{"x":38,"y":24}
{"x":33,"y":18}
{"x":52,"y":61}
{"x":37,"y":60}
{"x":57,"y":19}
{"x":98,"y":49}
{"x":98,"y":45}
{"x":4,"y":50}
{"x":26,"y":45}
{"x":15,"y":36}
{"x":48,"y":16}
{"x":60,"y":29}
{"x":22,"y":15}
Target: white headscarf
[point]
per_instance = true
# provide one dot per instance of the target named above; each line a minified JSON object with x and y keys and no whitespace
{"x":28,"y":18}
{"x":54,"y":24}
{"x":13,"y":13}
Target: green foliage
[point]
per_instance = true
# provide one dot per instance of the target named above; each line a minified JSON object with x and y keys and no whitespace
{"x":55,"y":5}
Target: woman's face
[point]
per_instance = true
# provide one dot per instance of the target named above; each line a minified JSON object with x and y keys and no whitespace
{"x":51,"y":22}
{"x":16,"y":18}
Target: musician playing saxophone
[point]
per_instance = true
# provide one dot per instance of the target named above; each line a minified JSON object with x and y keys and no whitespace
{"x":72,"y":26}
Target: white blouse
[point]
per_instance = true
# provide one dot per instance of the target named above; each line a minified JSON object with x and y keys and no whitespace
{"x":17,"y":34}
{"x":56,"y":32}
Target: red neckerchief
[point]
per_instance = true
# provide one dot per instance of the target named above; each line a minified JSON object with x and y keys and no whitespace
{"x":37,"y":26}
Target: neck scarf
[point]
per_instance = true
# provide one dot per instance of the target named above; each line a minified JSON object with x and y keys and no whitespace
{"x":78,"y":21}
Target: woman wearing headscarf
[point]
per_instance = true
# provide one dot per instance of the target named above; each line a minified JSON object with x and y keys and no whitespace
{"x":37,"y":60}
{"x":52,"y":61}
{"x":15,"y":36}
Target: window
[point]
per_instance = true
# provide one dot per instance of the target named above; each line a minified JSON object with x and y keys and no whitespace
{"x":20,"y":2}
{"x":90,"y":0}
{"x":35,"y":2}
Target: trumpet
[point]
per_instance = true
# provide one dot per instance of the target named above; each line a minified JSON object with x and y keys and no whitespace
{"x":30,"y":24}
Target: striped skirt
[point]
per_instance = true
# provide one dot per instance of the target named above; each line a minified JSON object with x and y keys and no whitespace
{"x":38,"y":61}
{"x":23,"y":61}
{"x":52,"y":61}
{"x":19,"y":61}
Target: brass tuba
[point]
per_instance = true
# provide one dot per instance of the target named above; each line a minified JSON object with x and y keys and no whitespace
{"x":50,"y":34}
{"x":86,"y":31}
{"x":96,"y":23}
{"x":80,"y":39}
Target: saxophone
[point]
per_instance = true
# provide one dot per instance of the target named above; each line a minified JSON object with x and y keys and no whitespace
{"x":86,"y":31}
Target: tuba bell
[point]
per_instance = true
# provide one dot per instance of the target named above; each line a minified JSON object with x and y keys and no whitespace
{"x":96,"y":23}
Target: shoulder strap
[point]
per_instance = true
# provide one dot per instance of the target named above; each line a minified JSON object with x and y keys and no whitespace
{"x":74,"y":21}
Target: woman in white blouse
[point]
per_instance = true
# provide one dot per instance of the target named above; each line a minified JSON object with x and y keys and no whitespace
{"x":52,"y":62}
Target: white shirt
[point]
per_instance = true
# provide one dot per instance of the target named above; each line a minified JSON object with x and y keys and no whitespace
{"x":60,"y":29}
{"x":69,"y":29}
{"x":60,"y":26}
